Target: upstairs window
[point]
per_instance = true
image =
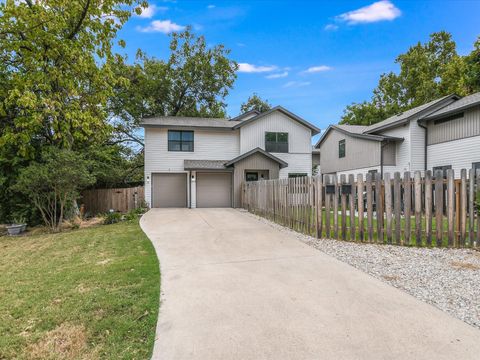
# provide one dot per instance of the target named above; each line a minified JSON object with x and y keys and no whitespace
{"x":276,"y":142}
{"x":341,"y":148}
{"x":180,"y":140}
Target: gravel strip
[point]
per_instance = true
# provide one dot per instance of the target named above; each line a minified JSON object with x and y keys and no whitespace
{"x":446,"y":278}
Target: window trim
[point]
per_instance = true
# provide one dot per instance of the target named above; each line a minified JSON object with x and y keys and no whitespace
{"x":251,"y":173}
{"x":340,"y":143}
{"x":276,"y":142}
{"x":181,"y":141}
{"x":476,"y":167}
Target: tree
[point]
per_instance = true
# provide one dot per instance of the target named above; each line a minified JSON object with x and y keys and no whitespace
{"x":55,"y":79}
{"x":473,"y":68}
{"x":54,"y":183}
{"x":193,"y":82}
{"x":56,"y":69}
{"x":255,"y":102}
{"x":427,"y":71}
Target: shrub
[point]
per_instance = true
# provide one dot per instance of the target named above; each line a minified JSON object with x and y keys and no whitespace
{"x":112,"y":218}
{"x":53,"y":184}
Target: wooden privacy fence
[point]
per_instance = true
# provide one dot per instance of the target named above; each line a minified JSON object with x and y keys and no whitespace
{"x":121,"y":199}
{"x":429,"y":211}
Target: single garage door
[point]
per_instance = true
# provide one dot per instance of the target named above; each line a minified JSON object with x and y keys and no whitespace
{"x":169,"y":190}
{"x":214,"y":190}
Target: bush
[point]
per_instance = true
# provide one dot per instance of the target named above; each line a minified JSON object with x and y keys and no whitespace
{"x":132,"y":215}
{"x":112,"y":218}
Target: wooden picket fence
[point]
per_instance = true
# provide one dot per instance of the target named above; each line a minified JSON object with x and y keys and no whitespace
{"x":97,"y":201}
{"x":430,"y":211}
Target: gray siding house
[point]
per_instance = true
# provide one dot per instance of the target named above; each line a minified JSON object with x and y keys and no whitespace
{"x":202,"y":162}
{"x":442,"y":134}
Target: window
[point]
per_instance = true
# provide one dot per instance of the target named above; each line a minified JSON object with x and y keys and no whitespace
{"x":180,"y":140}
{"x":296,"y":175}
{"x":443,"y":168}
{"x":373,"y":172}
{"x":276,"y":142}
{"x":251,"y":176}
{"x":476,"y":167}
{"x":341,"y":148}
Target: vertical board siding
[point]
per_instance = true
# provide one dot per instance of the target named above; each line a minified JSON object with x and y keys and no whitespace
{"x":456,"y":129}
{"x":400,"y":210}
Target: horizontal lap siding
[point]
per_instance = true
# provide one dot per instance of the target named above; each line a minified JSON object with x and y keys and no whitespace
{"x":208,"y":145}
{"x":459,"y":153}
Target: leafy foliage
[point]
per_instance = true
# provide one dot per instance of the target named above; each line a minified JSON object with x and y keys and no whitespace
{"x":112,"y":218}
{"x":53,"y":184}
{"x":255,"y":102}
{"x":427,"y":72}
{"x":193,"y":82}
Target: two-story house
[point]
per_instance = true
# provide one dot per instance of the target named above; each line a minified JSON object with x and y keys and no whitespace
{"x":442,"y":134}
{"x":202,"y":162}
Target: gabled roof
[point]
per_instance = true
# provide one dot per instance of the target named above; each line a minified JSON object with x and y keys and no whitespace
{"x":354,"y":131}
{"x":245,"y":115}
{"x":257,"y":150}
{"x":406,"y":116}
{"x":183,"y":121}
{"x":284,"y":111}
{"x":455,"y":107}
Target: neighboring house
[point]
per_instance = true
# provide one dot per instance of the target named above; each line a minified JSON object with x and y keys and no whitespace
{"x":444,"y":133}
{"x":202,"y":162}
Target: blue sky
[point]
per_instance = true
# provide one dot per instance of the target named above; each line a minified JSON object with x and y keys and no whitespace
{"x":313,"y":58}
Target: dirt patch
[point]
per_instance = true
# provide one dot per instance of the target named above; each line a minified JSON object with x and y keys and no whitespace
{"x":464,"y":265}
{"x":67,"y":341}
{"x":104,"y":262}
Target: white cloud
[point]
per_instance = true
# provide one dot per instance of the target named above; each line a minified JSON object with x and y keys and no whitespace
{"x":241,"y":44}
{"x":330,"y":27}
{"x":163,"y":26}
{"x":277,"y":76}
{"x":316,"y":69}
{"x":250,"y":68}
{"x":296,"y":84}
{"x":211,"y":7}
{"x":151,"y":10}
{"x":378,"y":11}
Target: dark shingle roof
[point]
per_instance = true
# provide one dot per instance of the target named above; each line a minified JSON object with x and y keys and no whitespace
{"x":457,"y":106}
{"x":257,"y":150}
{"x":181,"y":121}
{"x":204,"y":164}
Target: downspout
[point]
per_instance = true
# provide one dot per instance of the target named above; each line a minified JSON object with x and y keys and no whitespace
{"x":425,"y":144}
{"x":381,"y":159}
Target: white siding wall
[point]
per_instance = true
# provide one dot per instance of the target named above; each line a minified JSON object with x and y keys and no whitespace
{"x":403,"y":149}
{"x":299,"y":158}
{"x":417,"y":136}
{"x":208,"y":145}
{"x":355,"y":172}
{"x":458,"y":153}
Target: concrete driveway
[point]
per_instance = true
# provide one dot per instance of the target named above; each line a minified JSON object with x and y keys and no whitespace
{"x":236,"y":288}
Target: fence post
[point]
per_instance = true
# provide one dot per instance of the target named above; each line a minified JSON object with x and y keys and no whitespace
{"x":360,"y":206}
{"x":353,"y":191}
{"x":343,"y":198}
{"x":379,"y":207}
{"x":463,"y":209}
{"x":439,"y":206}
{"x":335,"y":208}
{"x":370,"y":207}
{"x":388,"y":206}
{"x":428,"y":207}
{"x":471,"y":207}
{"x":451,"y":206}
{"x":407,"y":186}
{"x":397,"y":191}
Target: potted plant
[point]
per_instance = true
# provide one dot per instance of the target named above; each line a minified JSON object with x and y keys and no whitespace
{"x":18,"y":226}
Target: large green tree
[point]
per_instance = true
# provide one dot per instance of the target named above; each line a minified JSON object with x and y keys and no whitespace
{"x":55,"y":79}
{"x":427,"y":71}
{"x":255,"y":102}
{"x":194,"y":81}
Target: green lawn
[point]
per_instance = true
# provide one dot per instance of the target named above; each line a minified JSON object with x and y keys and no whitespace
{"x":86,"y":294}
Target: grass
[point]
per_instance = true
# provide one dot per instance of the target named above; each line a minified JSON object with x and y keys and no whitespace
{"x":299,"y":215}
{"x":87,"y":294}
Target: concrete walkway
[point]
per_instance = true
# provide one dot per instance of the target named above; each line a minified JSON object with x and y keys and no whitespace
{"x":236,"y":288}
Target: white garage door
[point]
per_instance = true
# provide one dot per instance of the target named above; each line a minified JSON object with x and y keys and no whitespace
{"x":169,"y":190}
{"x":214,"y":190}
